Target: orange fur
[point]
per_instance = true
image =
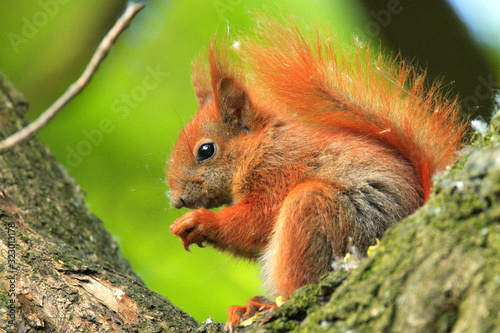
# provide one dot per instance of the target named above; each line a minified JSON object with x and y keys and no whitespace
{"x":311,"y":145}
{"x":347,"y":87}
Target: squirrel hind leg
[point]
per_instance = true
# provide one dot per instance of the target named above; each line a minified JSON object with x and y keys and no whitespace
{"x":312,"y":228}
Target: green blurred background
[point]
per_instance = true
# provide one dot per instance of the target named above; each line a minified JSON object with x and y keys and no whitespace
{"x":114,"y":138}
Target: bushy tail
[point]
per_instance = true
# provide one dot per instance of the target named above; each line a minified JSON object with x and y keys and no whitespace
{"x":326,"y":82}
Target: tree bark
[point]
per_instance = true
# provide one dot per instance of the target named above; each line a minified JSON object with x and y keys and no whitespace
{"x":61,"y":271}
{"x":436,"y":271}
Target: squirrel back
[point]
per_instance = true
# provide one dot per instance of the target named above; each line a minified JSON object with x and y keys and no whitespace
{"x":347,"y":87}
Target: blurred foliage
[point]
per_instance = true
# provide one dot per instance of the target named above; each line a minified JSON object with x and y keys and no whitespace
{"x":428,"y":33}
{"x":114,"y":138}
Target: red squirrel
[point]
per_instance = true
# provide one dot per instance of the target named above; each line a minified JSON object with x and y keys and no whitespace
{"x":312,"y":146}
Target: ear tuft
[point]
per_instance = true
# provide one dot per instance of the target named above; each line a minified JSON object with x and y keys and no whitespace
{"x":201,"y":80}
{"x":203,"y":96}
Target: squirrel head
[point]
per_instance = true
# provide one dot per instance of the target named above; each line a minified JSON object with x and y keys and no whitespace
{"x":204,"y":159}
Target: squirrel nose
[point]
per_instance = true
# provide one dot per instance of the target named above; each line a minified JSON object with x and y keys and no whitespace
{"x":176,"y":198}
{"x":178,"y":202}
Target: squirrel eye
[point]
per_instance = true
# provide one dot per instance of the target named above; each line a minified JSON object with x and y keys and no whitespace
{"x":206,"y":151}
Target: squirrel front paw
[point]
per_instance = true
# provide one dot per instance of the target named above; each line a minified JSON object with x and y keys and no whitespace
{"x":190,"y":229}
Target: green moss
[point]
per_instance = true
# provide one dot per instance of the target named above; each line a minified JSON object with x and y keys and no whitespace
{"x":3,"y":295}
{"x":22,"y":237}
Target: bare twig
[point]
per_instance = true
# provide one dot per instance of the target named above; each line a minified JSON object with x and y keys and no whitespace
{"x":102,"y":50}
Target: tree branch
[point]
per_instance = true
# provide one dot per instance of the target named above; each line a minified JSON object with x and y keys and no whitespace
{"x":102,"y":50}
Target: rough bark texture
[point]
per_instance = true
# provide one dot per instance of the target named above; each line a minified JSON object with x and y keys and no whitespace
{"x":61,"y":271}
{"x":436,"y":271}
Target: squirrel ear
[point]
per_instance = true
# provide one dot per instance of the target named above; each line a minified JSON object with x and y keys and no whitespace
{"x":232,"y":100}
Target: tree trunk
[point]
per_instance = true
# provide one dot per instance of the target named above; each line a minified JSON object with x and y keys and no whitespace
{"x":61,"y":271}
{"x":436,"y":271}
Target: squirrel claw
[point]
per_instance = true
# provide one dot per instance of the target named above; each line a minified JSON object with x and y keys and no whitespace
{"x":186,"y":246}
{"x":237,"y":315}
{"x":189,"y":228}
